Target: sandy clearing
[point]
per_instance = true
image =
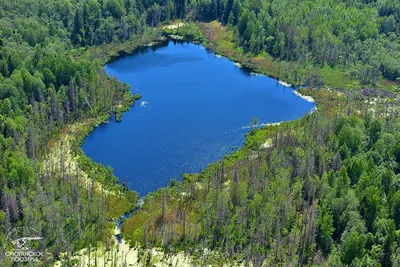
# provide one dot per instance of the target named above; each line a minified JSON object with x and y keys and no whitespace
{"x":174,"y":26}
{"x":305,"y":97}
{"x":266,"y":144}
{"x":284,"y":83}
{"x":121,"y":255}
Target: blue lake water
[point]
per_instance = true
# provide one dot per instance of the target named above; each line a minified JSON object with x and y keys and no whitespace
{"x":195,"y":108}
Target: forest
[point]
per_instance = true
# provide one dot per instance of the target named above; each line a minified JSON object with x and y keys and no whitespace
{"x":326,"y":191}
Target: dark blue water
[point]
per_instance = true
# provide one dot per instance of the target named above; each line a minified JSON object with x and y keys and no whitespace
{"x":195,"y":108}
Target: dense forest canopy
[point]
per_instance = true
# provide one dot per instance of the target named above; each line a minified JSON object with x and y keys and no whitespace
{"x":341,"y":178}
{"x":360,"y":37}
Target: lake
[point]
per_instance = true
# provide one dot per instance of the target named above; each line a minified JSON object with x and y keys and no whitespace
{"x":195,"y":107}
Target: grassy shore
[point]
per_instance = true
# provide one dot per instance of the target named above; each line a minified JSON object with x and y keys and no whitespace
{"x":221,"y":40}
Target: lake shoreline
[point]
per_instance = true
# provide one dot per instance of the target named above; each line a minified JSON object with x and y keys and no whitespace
{"x":161,"y":41}
{"x":274,"y":85}
{"x":94,"y":123}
